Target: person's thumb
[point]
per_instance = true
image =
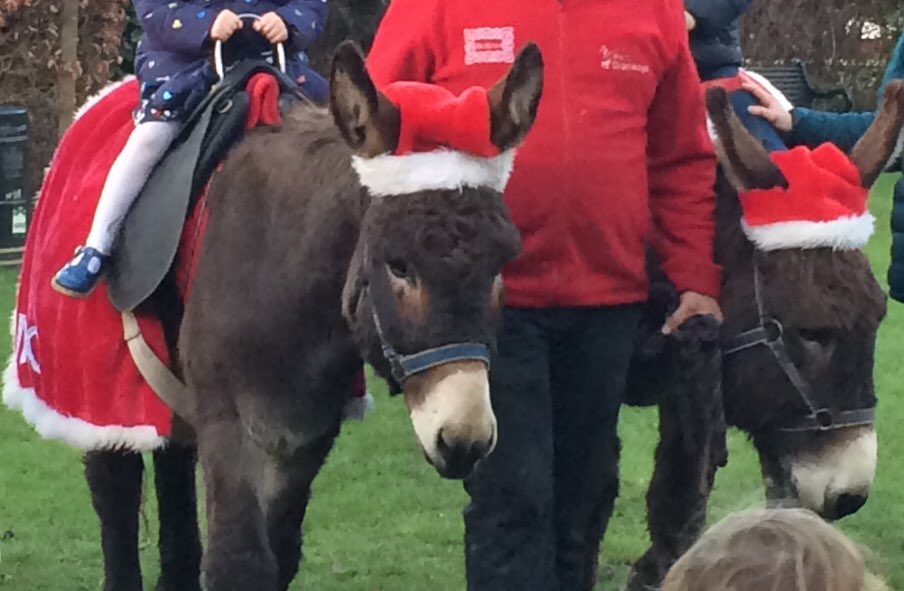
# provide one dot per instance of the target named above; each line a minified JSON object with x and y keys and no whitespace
{"x":673,"y":322}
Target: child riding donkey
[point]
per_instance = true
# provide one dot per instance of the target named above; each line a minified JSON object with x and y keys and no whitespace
{"x":716,"y":44}
{"x":173,"y":66}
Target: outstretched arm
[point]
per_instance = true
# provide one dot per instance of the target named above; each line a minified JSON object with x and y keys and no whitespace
{"x":808,"y":127}
{"x":811,"y":128}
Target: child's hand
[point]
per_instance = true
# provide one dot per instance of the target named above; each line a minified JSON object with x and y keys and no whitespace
{"x":769,"y":108}
{"x":225,"y":25}
{"x":272,"y":27}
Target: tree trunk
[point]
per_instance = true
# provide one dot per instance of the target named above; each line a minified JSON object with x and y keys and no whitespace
{"x":68,"y":66}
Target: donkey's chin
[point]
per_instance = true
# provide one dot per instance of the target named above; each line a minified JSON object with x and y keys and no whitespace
{"x":834,"y":481}
{"x":452,"y":416}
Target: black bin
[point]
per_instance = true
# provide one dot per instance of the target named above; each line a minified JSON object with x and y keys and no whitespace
{"x":15,"y":206}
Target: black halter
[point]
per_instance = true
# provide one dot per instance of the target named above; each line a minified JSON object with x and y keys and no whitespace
{"x":769,"y":333}
{"x":406,"y":366}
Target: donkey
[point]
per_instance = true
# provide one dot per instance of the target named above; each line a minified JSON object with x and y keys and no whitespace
{"x":797,"y":358}
{"x":304,"y":271}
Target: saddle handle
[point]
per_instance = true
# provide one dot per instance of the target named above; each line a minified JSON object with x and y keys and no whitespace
{"x":279,"y":50}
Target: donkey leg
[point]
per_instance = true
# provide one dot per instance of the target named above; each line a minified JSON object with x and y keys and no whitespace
{"x":691,"y":448}
{"x":179,"y":542}
{"x":114,"y":479}
{"x":676,"y":506}
{"x":238,"y":556}
{"x":285,"y":496}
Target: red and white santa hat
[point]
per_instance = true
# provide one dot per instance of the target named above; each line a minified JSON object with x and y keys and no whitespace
{"x":824,"y":205}
{"x":444,"y":143}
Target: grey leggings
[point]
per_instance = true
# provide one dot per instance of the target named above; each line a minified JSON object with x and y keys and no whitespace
{"x":127,"y":176}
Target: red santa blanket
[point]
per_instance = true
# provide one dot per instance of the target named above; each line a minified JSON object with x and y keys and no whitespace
{"x":71,"y":373}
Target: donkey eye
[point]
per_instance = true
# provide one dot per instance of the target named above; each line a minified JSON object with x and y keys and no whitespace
{"x":823,"y":336}
{"x":398,"y":269}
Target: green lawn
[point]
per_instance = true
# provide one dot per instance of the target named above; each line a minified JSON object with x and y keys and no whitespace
{"x":382,"y":520}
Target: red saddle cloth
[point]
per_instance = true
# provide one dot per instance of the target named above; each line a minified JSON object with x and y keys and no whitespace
{"x":71,"y":373}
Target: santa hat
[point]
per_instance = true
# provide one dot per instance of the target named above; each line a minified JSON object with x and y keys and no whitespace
{"x":824,"y":204}
{"x":444,"y":143}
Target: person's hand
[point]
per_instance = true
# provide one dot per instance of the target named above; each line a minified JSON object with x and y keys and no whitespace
{"x":769,"y":108}
{"x":272,"y":27}
{"x":689,"y":21}
{"x":225,"y":26}
{"x":692,"y":304}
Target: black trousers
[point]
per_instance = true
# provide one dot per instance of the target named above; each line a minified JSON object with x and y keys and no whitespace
{"x":541,"y":501}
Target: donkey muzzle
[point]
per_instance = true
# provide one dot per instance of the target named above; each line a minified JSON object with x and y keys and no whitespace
{"x":452,"y":415}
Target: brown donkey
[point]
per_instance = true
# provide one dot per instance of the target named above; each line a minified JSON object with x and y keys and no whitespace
{"x":797,"y":358}
{"x":303,"y":272}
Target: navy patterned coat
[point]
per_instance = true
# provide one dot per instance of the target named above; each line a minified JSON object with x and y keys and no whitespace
{"x":172,"y":61}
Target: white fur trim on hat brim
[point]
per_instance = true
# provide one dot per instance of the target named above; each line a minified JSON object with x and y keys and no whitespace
{"x":93,"y":100}
{"x":771,"y":89}
{"x":439,"y":170}
{"x":849,"y":233}
{"x":73,"y":431}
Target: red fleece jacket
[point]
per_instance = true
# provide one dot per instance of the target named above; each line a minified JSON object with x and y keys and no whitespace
{"x":619,"y":155}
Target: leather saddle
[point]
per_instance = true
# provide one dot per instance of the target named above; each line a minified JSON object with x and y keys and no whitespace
{"x":149,"y":240}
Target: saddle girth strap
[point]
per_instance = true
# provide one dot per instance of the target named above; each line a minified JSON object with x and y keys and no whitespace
{"x":162,"y":381}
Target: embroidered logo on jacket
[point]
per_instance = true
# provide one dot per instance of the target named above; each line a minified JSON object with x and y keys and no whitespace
{"x":489,"y":45}
{"x":613,"y":60}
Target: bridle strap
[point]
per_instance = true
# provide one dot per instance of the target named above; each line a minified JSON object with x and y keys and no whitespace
{"x":406,"y":366}
{"x":839,"y":420}
{"x":770,"y":334}
{"x":746,"y":340}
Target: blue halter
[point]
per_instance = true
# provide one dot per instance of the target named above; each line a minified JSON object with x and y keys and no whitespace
{"x":406,"y":366}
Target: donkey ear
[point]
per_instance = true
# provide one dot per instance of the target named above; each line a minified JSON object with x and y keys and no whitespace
{"x":744,"y":159}
{"x":882,"y":139}
{"x":366,"y":119}
{"x":514,"y":99}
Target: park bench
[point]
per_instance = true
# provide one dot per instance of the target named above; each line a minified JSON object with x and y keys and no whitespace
{"x":794,"y":81}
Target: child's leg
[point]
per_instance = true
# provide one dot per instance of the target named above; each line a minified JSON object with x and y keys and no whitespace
{"x":128,"y":175}
{"x":759,"y":127}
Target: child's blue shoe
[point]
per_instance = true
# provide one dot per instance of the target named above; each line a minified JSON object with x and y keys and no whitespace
{"x":79,"y":277}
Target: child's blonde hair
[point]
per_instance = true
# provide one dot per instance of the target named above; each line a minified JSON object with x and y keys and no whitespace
{"x":770,"y":550}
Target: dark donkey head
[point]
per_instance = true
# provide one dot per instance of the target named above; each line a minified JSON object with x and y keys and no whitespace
{"x":424,"y":291}
{"x":800,"y":326}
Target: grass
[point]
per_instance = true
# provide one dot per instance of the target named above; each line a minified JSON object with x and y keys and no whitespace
{"x":381,"y":520}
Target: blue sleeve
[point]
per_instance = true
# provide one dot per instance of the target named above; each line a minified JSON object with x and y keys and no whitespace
{"x":716,"y":14}
{"x":306,"y":19}
{"x":179,"y":27}
{"x":812,"y":128}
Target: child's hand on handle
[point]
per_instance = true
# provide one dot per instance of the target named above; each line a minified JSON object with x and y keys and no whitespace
{"x":272,"y":27}
{"x":225,"y":26}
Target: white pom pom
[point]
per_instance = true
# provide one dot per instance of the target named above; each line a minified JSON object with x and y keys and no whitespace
{"x":357,"y":408}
